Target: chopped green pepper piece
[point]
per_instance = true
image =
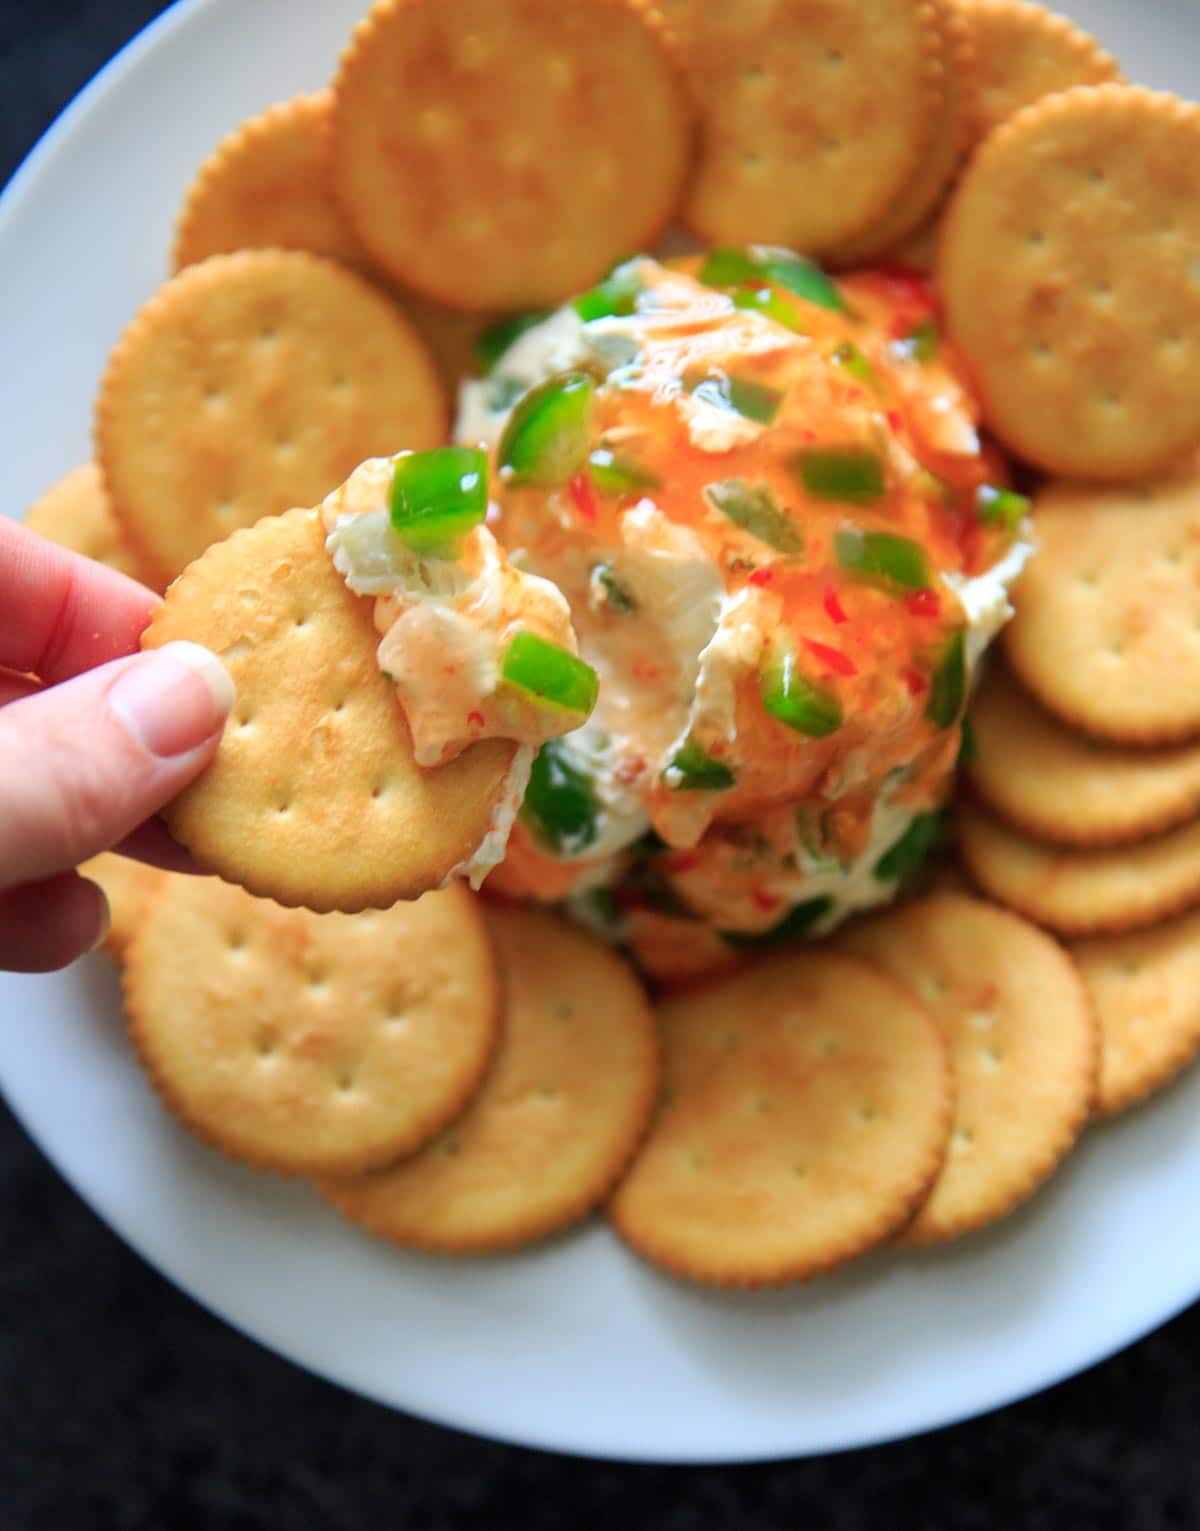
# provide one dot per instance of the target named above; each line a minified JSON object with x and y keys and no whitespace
{"x":698,"y":770}
{"x":491,"y":344}
{"x":805,"y":279}
{"x":795,"y":701}
{"x":616,"y":295}
{"x":729,"y":268}
{"x":922,"y":342}
{"x":617,"y":475}
{"x":549,"y":674}
{"x":560,"y":804}
{"x":437,"y":497}
{"x":851,"y":359}
{"x":948,"y":687}
{"x":796,"y":923}
{"x":1001,"y":507}
{"x":766,"y":301}
{"x":895,"y":562}
{"x":754,"y":508}
{"x":617,"y":594}
{"x":756,"y":401}
{"x":546,"y":437}
{"x":854,"y":474}
{"x":911,"y":850}
{"x":968,"y":747}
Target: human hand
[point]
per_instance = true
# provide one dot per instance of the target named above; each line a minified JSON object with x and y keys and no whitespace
{"x":94,"y":738}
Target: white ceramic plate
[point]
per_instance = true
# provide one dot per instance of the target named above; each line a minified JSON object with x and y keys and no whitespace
{"x":575,"y":1346}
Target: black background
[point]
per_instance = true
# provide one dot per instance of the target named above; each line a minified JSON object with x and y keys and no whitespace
{"x":124,"y":1407}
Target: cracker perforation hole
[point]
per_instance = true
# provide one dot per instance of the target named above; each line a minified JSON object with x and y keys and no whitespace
{"x":1035,"y":239}
{"x":828,"y":1047}
{"x":345,"y":1082}
{"x":799,"y":1171}
{"x":450,"y":1146}
{"x":264,"y":1044}
{"x":981,"y":1020}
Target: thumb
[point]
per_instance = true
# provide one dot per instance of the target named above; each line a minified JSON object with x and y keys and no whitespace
{"x":82,"y":764}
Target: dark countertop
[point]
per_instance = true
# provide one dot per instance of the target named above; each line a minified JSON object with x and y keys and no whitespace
{"x":124,"y":1407}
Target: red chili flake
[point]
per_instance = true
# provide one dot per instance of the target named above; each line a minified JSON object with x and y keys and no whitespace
{"x":762,"y":577}
{"x":834,"y":609}
{"x":476,"y":718}
{"x":834,"y":660}
{"x":896,"y":420}
{"x":583,"y":495}
{"x":767,"y":902}
{"x":644,"y":671}
{"x":923,"y":603}
{"x":628,"y":771}
{"x":907,"y":285}
{"x":917,"y":684}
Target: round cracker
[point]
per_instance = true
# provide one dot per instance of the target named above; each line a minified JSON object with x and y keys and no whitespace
{"x":311,"y":1043}
{"x":812,"y":119}
{"x":1076,"y":892}
{"x":1059,"y":785}
{"x":535,"y":145}
{"x":266,"y":185}
{"x":1070,"y":280}
{"x":127,"y":886}
{"x":251,"y":383}
{"x":805,"y":1116}
{"x":313,"y":797}
{"x":77,"y":513}
{"x":1145,"y":989}
{"x":928,"y":186}
{"x":1106,"y":631}
{"x":1022,"y":1037}
{"x":568,"y":1098}
{"x":1026,"y":52}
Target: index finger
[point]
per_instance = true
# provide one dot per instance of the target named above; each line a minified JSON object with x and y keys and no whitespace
{"x":60,"y":613}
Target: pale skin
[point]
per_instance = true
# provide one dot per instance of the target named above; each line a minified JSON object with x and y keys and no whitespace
{"x":95,"y":737}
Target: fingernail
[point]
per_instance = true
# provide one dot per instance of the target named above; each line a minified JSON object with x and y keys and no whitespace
{"x":105,"y":919}
{"x":173,"y":699}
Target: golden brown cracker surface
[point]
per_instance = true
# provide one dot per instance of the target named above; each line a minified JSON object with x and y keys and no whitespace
{"x":812,"y":117}
{"x":1078,"y":892}
{"x":1145,"y":988}
{"x":77,"y":513}
{"x":1026,"y":52}
{"x":805,"y":1115}
{"x":555,"y":1122}
{"x":536,"y":144}
{"x":1107,"y":626}
{"x":1024,"y":1044}
{"x":251,"y":383}
{"x":306,"y":1043}
{"x":1057,"y":784}
{"x":127,"y":885}
{"x":266,"y":185}
{"x":313,"y":797}
{"x":1069,"y":275}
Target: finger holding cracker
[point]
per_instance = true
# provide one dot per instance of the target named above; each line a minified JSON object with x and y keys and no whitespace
{"x":805,"y":1116}
{"x":1023,"y":1039}
{"x":812,"y":120}
{"x":537,"y":144}
{"x":555,"y":1122}
{"x":1107,"y":626}
{"x":1056,"y":784}
{"x":1025,"y":52}
{"x":314,"y":797}
{"x":128,"y":886}
{"x":77,"y":513}
{"x":248,"y":384}
{"x":1078,"y":892}
{"x":1145,"y":988}
{"x":266,"y":186}
{"x":1068,"y":271}
{"x":311,"y":1044}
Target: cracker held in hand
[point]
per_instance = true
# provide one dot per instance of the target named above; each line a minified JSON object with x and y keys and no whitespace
{"x":567,"y":1099}
{"x":267,"y":185}
{"x":1059,"y":785}
{"x":813,"y":119}
{"x":1145,"y":988}
{"x":1068,"y":273}
{"x":249,"y":384}
{"x":1026,"y":52}
{"x":313,"y":797}
{"x":1023,"y":1039}
{"x":305,"y":1043}
{"x":805,"y":1116}
{"x":1078,"y":892}
{"x":77,"y":513}
{"x":1107,"y":626}
{"x":506,"y":153}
